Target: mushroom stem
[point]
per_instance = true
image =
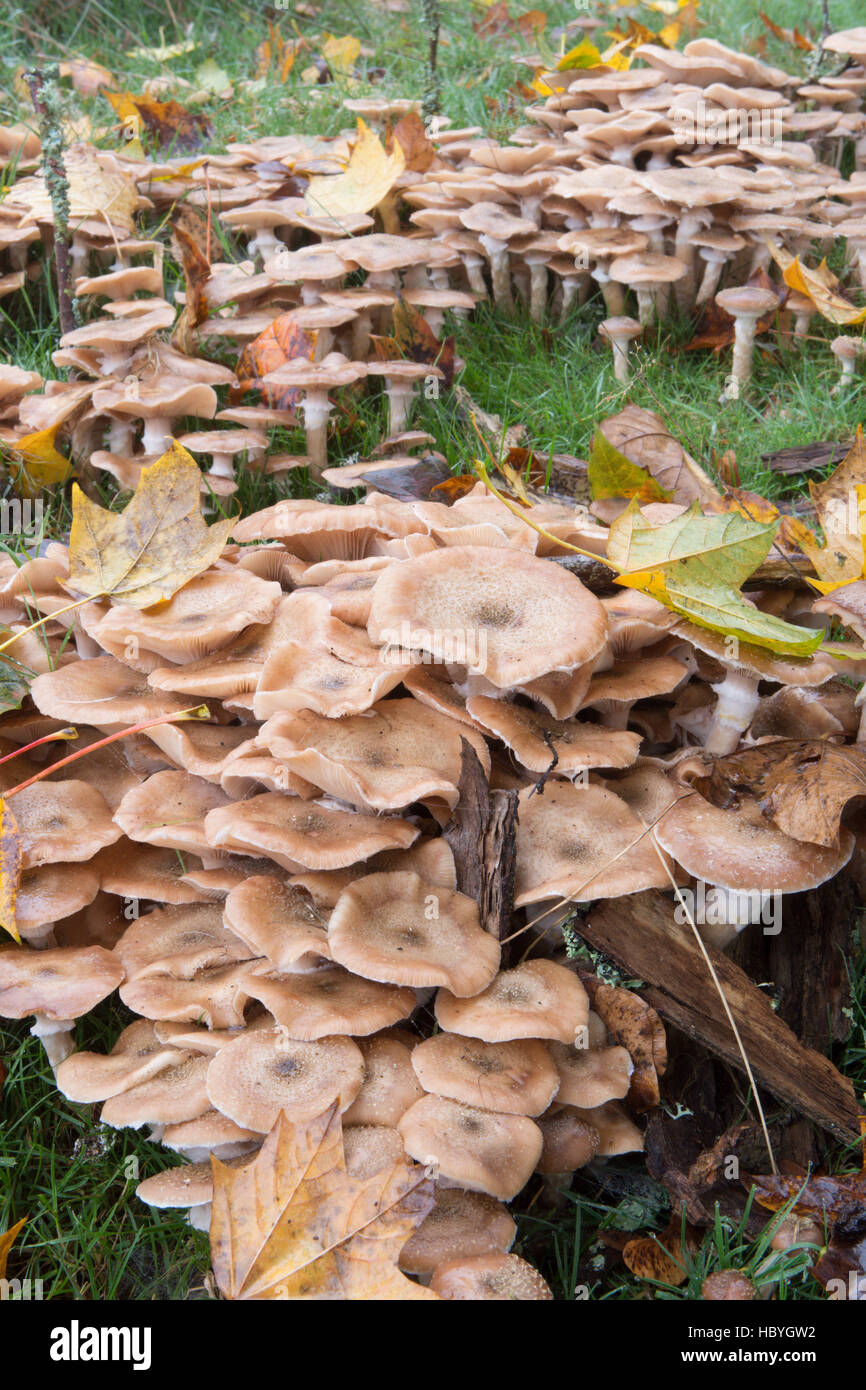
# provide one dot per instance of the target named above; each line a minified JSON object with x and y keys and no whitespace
{"x":736,"y":702}
{"x":317,"y":409}
{"x":500,"y":271}
{"x":57,"y":1037}
{"x":744,"y":342}
{"x":399,"y":395}
{"x":474,"y":267}
{"x":711,"y":277}
{"x":157,"y":435}
{"x":537,"y":291}
{"x":362,"y":327}
{"x":120,"y":436}
{"x":646,"y":304}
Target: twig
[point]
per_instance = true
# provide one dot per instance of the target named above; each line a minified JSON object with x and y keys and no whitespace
{"x":432,"y":87}
{"x":46,"y":103}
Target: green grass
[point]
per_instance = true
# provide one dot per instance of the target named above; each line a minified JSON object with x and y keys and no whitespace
{"x":87,"y":1235}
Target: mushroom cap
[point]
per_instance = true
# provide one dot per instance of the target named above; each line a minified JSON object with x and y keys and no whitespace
{"x":235,"y":668}
{"x":371,"y":1149}
{"x":495,"y":1277}
{"x":730,"y":1284}
{"x":537,"y":739}
{"x":570,"y":1142}
{"x":188,"y":1185}
{"x":223,"y":441}
{"x":589,"y":1076}
{"x":479,"y":1149}
{"x":617,"y":1133}
{"x":493,"y":220}
{"x":381,"y":252}
{"x":169,"y":810}
{"x":390,"y":1085}
{"x":60,"y":983}
{"x":849,"y":41}
{"x":62,"y":822}
{"x":848,"y":604}
{"x":215,"y":997}
{"x":103,"y":692}
{"x":111,"y":334}
{"x":513,"y":1078}
{"x":265,"y":1073}
{"x":300,"y":834}
{"x":747,"y":301}
{"x":647,"y":268}
{"x":179,"y":941}
{"x":581,"y":843}
{"x":329,"y":1002}
{"x":203,"y":749}
{"x":742,"y":851}
{"x":395,"y":927}
{"x":603,"y":242}
{"x":212,"y":1130}
{"x":512,"y":622}
{"x":163,"y":395}
{"x":319,"y":531}
{"x":538,"y":999}
{"x":432,"y":859}
{"x":307,"y":676}
{"x":460,"y":1225}
{"x":758,"y":661}
{"x":176,"y":1093}
{"x":279,"y":922}
{"x":53,"y":891}
{"x":620,"y":329}
{"x":138,"y":1054}
{"x":333,"y":370}
{"x":846,"y":349}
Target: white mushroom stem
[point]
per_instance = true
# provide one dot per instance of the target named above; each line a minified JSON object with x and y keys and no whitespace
{"x":121,"y":434}
{"x":500,"y":270}
{"x":646,"y":304}
{"x":362,"y":327}
{"x":264,"y":242}
{"x":802,"y":321}
{"x":744,"y":342}
{"x":80,"y":256}
{"x":223,"y":466}
{"x":537,"y":289}
{"x":684,"y":250}
{"x":474,"y":267}
{"x":439,"y":277}
{"x":573,"y":287}
{"x":723,"y":913}
{"x":399,"y":395}
{"x":715,"y":261}
{"x":199,"y":1217}
{"x":317,"y":410}
{"x":57,"y":1035}
{"x":737,"y":700}
{"x":612,"y":292}
{"x":157,"y":434}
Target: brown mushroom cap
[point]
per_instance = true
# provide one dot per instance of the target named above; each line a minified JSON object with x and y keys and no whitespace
{"x":176,"y":1093}
{"x":301,"y":834}
{"x":138,"y":1054}
{"x":589,"y":1076}
{"x":518,"y":619}
{"x":746,"y":301}
{"x":216,"y":997}
{"x":52,"y":892}
{"x":432,"y":859}
{"x":390,"y":1085}
{"x":495,"y":1278}
{"x":278,"y":921}
{"x":61,"y":983}
{"x":617,"y":1133}
{"x":134,"y":870}
{"x":169,"y":810}
{"x":265,"y":1073}
{"x":395,"y":927}
{"x":728,"y":1285}
{"x":102,"y":692}
{"x":460,"y":1225}
{"x":62,"y":822}
{"x":514,"y":1078}
{"x":189,"y":1185}
{"x":538,"y":741}
{"x":371,"y":1149}
{"x":538,"y":999}
{"x":179,"y":941}
{"x":212,"y":1131}
{"x":328,"y":1002}
{"x":479,"y":1149}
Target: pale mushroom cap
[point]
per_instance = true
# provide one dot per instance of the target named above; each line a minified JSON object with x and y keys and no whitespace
{"x":169,"y":810}
{"x":329,"y":1002}
{"x":179,"y":941}
{"x":491,"y":219}
{"x":647,"y":268}
{"x":101,"y":691}
{"x":517,"y":619}
{"x":371,"y":1149}
{"x":49,"y":893}
{"x":277,"y":921}
{"x":483,"y":1151}
{"x":514,"y":1078}
{"x":536,"y":739}
{"x":215,"y":997}
{"x":570,"y":1142}
{"x":397,"y":928}
{"x":617,"y":1133}
{"x":265,"y":1073}
{"x":747,"y":301}
{"x":589,"y":1076}
{"x":87,"y":1077}
{"x":461,"y":1224}
{"x":620,"y":329}
{"x":300,"y":834}
{"x":491,"y":1278}
{"x":63,"y":982}
{"x":189,"y":1185}
{"x":538,"y":999}
{"x":211,"y":1130}
{"x":390,"y":1085}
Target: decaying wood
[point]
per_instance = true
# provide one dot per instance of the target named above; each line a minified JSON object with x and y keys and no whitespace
{"x":640,"y":934}
{"x":800,"y":457}
{"x":482,"y":836}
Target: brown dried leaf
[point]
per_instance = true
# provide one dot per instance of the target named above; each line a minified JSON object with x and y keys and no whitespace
{"x":282,"y":341}
{"x":293,"y":1225}
{"x":10,"y":869}
{"x":659,"y":1257}
{"x":635,"y":1026}
{"x":7,"y":1240}
{"x":168,"y":123}
{"x":645,"y":440}
{"x":841,"y":1201}
{"x":196,"y":271}
{"x":411,"y":135}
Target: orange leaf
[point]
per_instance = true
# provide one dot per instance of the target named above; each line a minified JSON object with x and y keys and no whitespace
{"x":280,"y":342}
{"x":196,"y":270}
{"x":410,"y":134}
{"x":167,"y":122}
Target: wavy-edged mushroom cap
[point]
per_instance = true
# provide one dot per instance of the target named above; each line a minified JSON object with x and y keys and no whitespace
{"x":514,"y":1078}
{"x":202,"y":749}
{"x":278,"y":921}
{"x":570,"y":843}
{"x":138,"y":1054}
{"x":747,"y":301}
{"x":386,"y":758}
{"x":537,"y":740}
{"x":396,"y":928}
{"x":432,"y":859}
{"x":590,"y":1076}
{"x":570,"y":1142}
{"x":52,"y":892}
{"x":169,"y":810}
{"x":212,"y":1131}
{"x":511,"y":621}
{"x":188,"y":1185}
{"x":235,"y":668}
{"x":265,"y":1073}
{"x":460,"y":1225}
{"x":848,"y":604}
{"x":390,"y":1085}
{"x":617,"y":1133}
{"x":317,"y":531}
{"x":301,"y":834}
{"x":176,"y":1093}
{"x":371,"y":1149}
{"x":479,"y":1149}
{"x":742,"y":851}
{"x":215,"y":997}
{"x":134,"y":870}
{"x":538,"y":999}
{"x":179,"y":941}
{"x":490,"y":1278}
{"x":62,"y":822}
{"x":63,"y":982}
{"x":329,"y":1002}
{"x":102,"y":692}
{"x":303,"y":677}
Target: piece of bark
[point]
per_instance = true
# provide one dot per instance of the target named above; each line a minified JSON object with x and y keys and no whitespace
{"x":801,"y":457}
{"x":482,"y":835}
{"x":640,"y":934}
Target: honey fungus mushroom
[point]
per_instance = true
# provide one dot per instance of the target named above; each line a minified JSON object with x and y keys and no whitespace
{"x":265,"y":1073}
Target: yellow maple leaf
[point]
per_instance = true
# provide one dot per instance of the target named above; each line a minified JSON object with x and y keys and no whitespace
{"x":10,"y":871}
{"x":839,"y":506}
{"x":819,"y":285}
{"x":341,"y":54}
{"x":367,"y":178}
{"x":34,"y":463}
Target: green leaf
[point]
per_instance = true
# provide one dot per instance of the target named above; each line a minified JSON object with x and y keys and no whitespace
{"x":611,"y":474}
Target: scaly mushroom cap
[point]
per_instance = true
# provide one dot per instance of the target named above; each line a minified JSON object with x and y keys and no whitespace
{"x":190,"y":1185}
{"x":265,"y":1073}
{"x":212,"y":1130}
{"x":179,"y":941}
{"x":582,"y":843}
{"x":432,"y":859}
{"x":199,"y":619}
{"x":303,"y":677}
{"x":62,"y":822}
{"x":514,"y":1078}
{"x":138,"y":1054}
{"x":569,"y":1141}
{"x":169,"y":810}
{"x":385,"y":759}
{"x":176,"y":1093}
{"x":301,"y":834}
{"x":322,"y":531}
{"x":395,"y":927}
{"x":538,"y":741}
{"x":61,"y":983}
{"x":480,"y":1150}
{"x":216,"y":998}
{"x":371,"y":1149}
{"x":279,"y":922}
{"x":134,"y":870}
{"x":589,"y":1076}
{"x":329,"y":1002}
{"x":234,"y":669}
{"x":102,"y":692}
{"x":537,"y":999}
{"x":52,"y":892}
{"x":512,"y":621}
{"x":742,"y":851}
{"x":617,"y":1133}
{"x":390,"y":1085}
{"x":460,"y":1225}
{"x":490,"y":1278}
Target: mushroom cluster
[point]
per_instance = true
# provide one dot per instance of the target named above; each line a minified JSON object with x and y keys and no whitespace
{"x":274,"y":891}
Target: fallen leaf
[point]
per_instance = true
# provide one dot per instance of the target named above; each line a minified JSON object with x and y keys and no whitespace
{"x":611,"y":474}
{"x":292,"y":1224}
{"x":196,"y":272}
{"x":802,"y":786}
{"x":212,"y":78}
{"x":632,"y":1024}
{"x":413,"y":338}
{"x":839,"y":1200}
{"x":789,"y":36}
{"x":660,"y":1258}
{"x":87,"y":76}
{"x":644,"y":439}
{"x":14,"y":682}
{"x":411,"y":135}
{"x":840,"y":560}
{"x":33,"y":462}
{"x":168,"y":123}
{"x":341,"y":54}
{"x":820,"y":285}
{"x":749,"y":504}
{"x":282,"y":341}
{"x":94,"y":192}
{"x":7,"y":1240}
{"x":368,"y":176}
{"x":452,"y":489}
{"x":154,"y":546}
{"x":10,"y":870}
